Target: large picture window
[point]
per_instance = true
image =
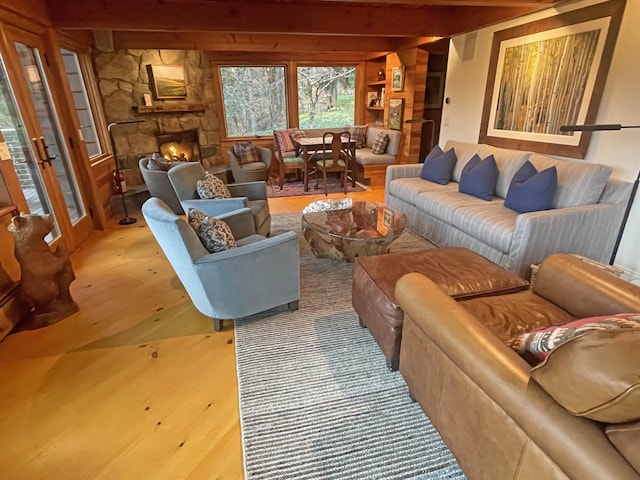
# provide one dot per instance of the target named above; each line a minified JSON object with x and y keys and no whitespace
{"x":326,"y":96}
{"x":255,"y":100}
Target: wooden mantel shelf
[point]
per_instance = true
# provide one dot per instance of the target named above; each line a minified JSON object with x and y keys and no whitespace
{"x":178,"y":107}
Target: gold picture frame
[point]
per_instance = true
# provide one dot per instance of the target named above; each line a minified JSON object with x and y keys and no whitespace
{"x":168,"y":81}
{"x":397,"y":78}
{"x":531,"y":120}
{"x":396,"y":111}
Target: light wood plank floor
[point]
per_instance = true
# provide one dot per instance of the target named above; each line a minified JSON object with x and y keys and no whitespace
{"x":136,"y":385}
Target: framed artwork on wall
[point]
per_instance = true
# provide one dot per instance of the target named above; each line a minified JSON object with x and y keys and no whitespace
{"x":435,"y":90}
{"x":373,"y":100}
{"x":396,"y":109}
{"x":397,"y":78}
{"x":168,"y":81}
{"x":549,"y":73}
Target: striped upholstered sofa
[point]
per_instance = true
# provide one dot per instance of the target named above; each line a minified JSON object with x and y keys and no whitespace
{"x":586,"y":213}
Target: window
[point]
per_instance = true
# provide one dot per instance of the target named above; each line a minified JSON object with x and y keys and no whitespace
{"x":81,"y":102}
{"x":326,"y":96}
{"x":255,"y":100}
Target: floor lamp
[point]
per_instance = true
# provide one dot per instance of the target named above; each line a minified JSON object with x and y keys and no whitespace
{"x":610,"y":126}
{"x":126,"y":220}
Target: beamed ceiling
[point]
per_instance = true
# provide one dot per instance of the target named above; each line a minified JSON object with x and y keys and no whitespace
{"x":307,"y":29}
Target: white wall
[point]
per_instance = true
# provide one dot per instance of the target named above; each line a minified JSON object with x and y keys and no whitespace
{"x":466,"y":84}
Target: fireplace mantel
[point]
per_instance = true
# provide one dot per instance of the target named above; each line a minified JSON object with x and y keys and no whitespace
{"x":177,"y":107}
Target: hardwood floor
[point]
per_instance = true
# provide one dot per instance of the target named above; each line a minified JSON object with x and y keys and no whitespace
{"x":136,"y":385}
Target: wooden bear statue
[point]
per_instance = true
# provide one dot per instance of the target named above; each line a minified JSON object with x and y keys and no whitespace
{"x":46,"y":275}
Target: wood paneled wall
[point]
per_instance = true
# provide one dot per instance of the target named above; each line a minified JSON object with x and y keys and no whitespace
{"x":415,"y":63}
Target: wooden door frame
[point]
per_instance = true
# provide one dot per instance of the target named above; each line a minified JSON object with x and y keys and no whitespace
{"x":72,"y":235}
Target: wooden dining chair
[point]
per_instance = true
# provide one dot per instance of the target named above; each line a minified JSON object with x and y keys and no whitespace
{"x":288,"y":161}
{"x":336,"y":157}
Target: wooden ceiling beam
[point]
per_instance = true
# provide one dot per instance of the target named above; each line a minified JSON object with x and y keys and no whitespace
{"x":319,"y":58}
{"x":249,"y":42}
{"x":455,"y":3}
{"x":262,"y":17}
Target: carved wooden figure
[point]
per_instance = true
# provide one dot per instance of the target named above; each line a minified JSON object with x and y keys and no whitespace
{"x":45,"y":274}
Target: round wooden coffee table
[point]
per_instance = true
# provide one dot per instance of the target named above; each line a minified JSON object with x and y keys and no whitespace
{"x":345,"y":229}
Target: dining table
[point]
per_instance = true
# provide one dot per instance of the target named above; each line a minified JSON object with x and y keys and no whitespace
{"x":308,"y":146}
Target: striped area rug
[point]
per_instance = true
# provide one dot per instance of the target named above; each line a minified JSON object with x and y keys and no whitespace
{"x":316,"y":398}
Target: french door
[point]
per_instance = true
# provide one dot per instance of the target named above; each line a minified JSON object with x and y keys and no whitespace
{"x":33,"y":129}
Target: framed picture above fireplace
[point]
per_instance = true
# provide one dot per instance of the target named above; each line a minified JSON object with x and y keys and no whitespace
{"x":168,"y":81}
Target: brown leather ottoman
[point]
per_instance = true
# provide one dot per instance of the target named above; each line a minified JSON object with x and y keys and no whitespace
{"x":461,"y":273}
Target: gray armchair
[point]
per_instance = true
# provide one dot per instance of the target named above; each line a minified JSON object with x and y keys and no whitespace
{"x":159,"y":185}
{"x":261,"y":273}
{"x":252,"y":195}
{"x":253,"y":171}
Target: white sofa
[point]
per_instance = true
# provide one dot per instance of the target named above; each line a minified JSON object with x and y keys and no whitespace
{"x":586,"y":215}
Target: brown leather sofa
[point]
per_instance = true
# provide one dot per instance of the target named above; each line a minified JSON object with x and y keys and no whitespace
{"x":480,"y":395}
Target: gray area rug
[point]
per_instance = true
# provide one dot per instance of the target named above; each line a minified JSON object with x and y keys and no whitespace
{"x":316,"y":398}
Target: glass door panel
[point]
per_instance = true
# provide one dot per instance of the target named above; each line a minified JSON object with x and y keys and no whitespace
{"x":52,"y":145}
{"x":23,"y":154}
{"x":40,"y":123}
{"x":81,"y":102}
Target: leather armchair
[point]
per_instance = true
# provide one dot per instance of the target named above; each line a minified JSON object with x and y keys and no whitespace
{"x":261,"y":273}
{"x":253,"y":171}
{"x":252,"y":195}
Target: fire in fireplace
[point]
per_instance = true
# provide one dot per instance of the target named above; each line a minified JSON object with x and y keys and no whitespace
{"x":179,"y":146}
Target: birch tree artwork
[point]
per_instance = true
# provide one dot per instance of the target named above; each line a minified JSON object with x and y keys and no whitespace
{"x":543,"y":83}
{"x":549,"y":73}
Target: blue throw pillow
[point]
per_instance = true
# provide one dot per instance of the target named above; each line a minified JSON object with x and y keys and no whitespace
{"x":479,"y":177}
{"x":438,"y":166}
{"x":531,"y":191}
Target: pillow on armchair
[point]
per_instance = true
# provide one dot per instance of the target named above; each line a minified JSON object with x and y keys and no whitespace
{"x":212,"y":187}
{"x":245,"y":152}
{"x":160,"y":164}
{"x":215,"y":235}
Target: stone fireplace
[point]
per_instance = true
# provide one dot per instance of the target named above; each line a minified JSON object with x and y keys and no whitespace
{"x":179,"y":146}
{"x":173,"y":127}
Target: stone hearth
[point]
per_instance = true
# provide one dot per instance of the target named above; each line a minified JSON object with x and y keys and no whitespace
{"x":124,"y":80}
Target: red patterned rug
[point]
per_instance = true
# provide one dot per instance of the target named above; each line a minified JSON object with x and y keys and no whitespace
{"x":294,"y":189}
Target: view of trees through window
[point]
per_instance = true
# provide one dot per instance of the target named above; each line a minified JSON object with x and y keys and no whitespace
{"x":255,"y":100}
{"x":326,"y":96}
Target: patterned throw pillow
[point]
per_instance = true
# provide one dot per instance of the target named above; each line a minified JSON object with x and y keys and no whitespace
{"x":284,"y":139}
{"x":298,"y":134}
{"x":541,"y":342}
{"x":160,"y":164}
{"x":214,"y":234}
{"x":212,"y":187}
{"x":358,"y":134}
{"x":245,"y":152}
{"x":380,"y":143}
